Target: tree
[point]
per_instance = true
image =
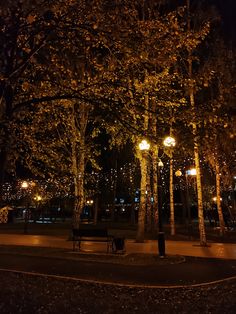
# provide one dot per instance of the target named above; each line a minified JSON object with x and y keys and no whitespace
{"x":218,"y":138}
{"x":40,"y":43}
{"x":149,"y":63}
{"x":28,"y":35}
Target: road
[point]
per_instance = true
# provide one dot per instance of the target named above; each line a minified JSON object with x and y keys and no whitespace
{"x":187,"y":271}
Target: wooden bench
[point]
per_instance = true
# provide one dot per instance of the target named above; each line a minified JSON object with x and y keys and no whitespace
{"x":94,"y":235}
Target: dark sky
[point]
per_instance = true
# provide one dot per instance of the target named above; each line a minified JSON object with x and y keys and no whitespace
{"x":227,"y":9}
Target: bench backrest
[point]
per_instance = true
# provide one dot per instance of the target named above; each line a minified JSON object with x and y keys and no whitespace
{"x":90,"y":232}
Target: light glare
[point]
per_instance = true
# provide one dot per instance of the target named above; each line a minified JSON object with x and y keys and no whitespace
{"x":144,"y":145}
{"x":169,"y":141}
{"x":191,"y":172}
{"x":24,"y":185}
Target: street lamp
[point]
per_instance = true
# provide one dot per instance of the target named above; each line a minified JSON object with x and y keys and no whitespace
{"x":190,"y":172}
{"x":215,"y":199}
{"x":170,"y":143}
{"x":178,"y":173}
{"x":144,"y":145}
{"x":25,"y":185}
{"x":38,"y":198}
{"x":161,"y":234}
{"x":89,"y":202}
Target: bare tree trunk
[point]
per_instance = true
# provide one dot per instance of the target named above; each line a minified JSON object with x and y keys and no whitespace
{"x":154,"y":167}
{"x":143,"y":158}
{"x":3,"y":161}
{"x":80,"y":181}
{"x":76,"y":212}
{"x":218,"y":201}
{"x":7,"y":95}
{"x":95,"y":218}
{"x":114,"y":187}
{"x":142,"y":204}
{"x":172,"y":209}
{"x":78,"y":159}
{"x":201,"y":224}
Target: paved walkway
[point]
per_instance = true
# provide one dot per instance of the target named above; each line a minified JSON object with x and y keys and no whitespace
{"x":186,"y":248}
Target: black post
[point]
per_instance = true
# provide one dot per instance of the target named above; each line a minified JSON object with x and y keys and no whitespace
{"x":188,"y":209}
{"x":161,"y":234}
{"x":161,"y":239}
{"x":26,"y":218}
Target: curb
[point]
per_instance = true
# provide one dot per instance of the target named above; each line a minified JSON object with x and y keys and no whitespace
{"x":91,"y":281}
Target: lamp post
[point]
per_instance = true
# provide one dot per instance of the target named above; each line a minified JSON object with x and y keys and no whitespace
{"x":190,"y":172}
{"x":161,"y":234}
{"x":38,"y":199}
{"x":25,"y":185}
{"x":169,"y":142}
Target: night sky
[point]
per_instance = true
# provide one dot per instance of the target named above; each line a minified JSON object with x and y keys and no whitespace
{"x":228,"y":11}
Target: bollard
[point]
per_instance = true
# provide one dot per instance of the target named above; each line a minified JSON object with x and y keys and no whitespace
{"x":161,"y":244}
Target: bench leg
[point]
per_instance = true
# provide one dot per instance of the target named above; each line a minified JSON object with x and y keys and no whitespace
{"x":73,"y":245}
{"x":76,"y":243}
{"x":110,"y":246}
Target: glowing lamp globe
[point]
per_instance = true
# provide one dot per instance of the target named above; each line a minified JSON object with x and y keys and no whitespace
{"x":38,"y":198}
{"x":178,"y":173}
{"x":24,"y":185}
{"x":169,"y":141}
{"x":144,"y":145}
{"x":192,"y":172}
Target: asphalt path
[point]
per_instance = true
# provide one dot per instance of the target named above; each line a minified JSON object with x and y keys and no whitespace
{"x":191,"y":271}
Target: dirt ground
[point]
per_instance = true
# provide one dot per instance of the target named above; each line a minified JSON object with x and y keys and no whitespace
{"x":23,"y":293}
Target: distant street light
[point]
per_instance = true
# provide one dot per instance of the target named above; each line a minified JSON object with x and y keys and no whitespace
{"x":191,"y":172}
{"x":89,"y":202}
{"x":24,"y":185}
{"x":38,"y":198}
{"x":178,"y":173}
{"x":215,"y":199}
